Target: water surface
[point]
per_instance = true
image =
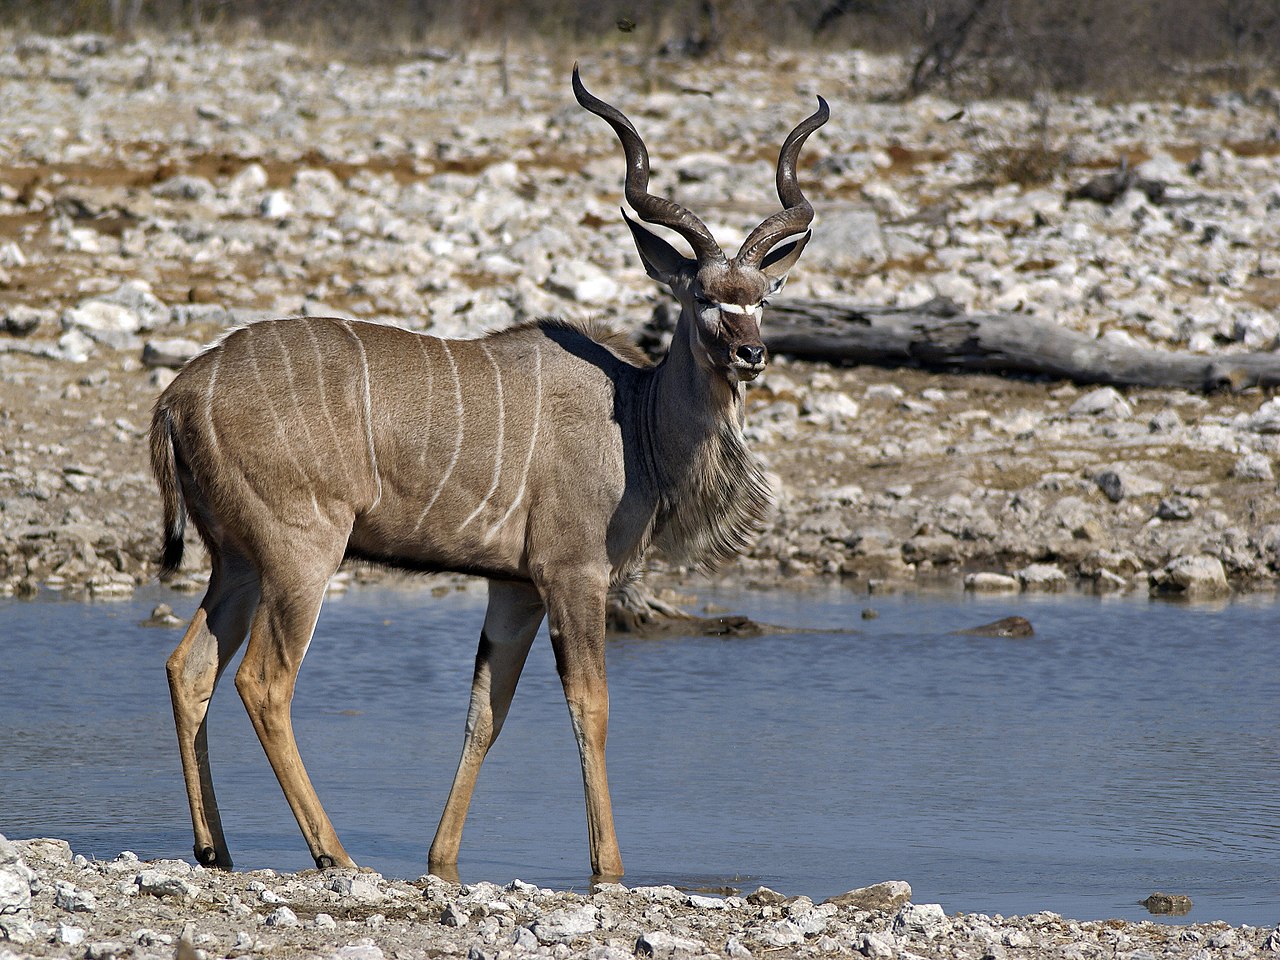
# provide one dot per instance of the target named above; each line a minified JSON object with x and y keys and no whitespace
{"x":1129,"y":747}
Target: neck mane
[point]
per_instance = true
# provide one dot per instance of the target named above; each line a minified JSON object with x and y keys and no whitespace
{"x":713,"y":494}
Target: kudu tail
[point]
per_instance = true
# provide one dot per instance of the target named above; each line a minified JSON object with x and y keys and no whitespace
{"x":164,"y":464}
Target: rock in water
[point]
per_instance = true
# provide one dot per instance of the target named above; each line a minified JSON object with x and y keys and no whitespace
{"x":1012,"y":627}
{"x":1174,"y":904}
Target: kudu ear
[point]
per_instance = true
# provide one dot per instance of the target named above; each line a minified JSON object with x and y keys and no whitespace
{"x":662,"y":261}
{"x":779,"y":261}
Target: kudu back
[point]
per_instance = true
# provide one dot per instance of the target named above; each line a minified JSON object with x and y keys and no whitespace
{"x":550,"y":458}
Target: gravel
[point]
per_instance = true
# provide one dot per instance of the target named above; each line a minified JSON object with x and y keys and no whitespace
{"x":170,"y":909}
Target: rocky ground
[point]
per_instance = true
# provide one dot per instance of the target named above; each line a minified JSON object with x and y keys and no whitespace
{"x":56,"y":904}
{"x":155,"y":192}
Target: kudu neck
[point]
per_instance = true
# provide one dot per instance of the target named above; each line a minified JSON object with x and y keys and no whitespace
{"x":690,"y":402}
{"x":711,"y":496}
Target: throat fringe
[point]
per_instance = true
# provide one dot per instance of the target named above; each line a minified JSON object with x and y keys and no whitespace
{"x":717,"y":509}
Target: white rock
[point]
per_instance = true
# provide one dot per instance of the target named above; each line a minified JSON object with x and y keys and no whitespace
{"x":170,"y":352}
{"x":454,"y":916}
{"x":360,"y":887}
{"x":318,"y":179}
{"x":921,"y":919}
{"x":664,"y":892}
{"x":830,"y":407}
{"x":84,"y":240}
{"x":1199,"y":576}
{"x":76,"y":346}
{"x":40,"y":848}
{"x":849,"y":240}
{"x":248,"y":181}
{"x":362,"y":950}
{"x":783,"y":933}
{"x":70,"y":935}
{"x":184,"y":187}
{"x":1253,"y":466}
{"x":884,"y":391}
{"x":562,"y":926}
{"x":137,"y":295}
{"x":660,"y":944}
{"x":985,"y":582}
{"x":1103,"y":402}
{"x":707,"y":903}
{"x":1041,"y":576}
{"x":11,"y":255}
{"x":104,"y":322}
{"x":877,"y":945}
{"x":582,"y":282}
{"x":15,"y":891}
{"x":74,"y":900}
{"x":697,"y":167}
{"x":282,"y":917}
{"x":1161,"y":166}
{"x":275,"y":205}
{"x":1267,"y":417}
{"x":157,"y":883}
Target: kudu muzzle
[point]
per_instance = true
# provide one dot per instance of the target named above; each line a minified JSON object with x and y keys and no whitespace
{"x":747,"y":354}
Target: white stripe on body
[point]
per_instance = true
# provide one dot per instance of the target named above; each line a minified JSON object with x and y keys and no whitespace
{"x":270,"y":404}
{"x":426,"y":404}
{"x":368,"y":415}
{"x":297,"y":403}
{"x":497,"y":456}
{"x":457,"y":446}
{"x":208,"y":399}
{"x":324,"y":400}
{"x":533,"y":443}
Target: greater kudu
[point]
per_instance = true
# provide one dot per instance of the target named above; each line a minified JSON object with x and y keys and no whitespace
{"x":549,"y":458}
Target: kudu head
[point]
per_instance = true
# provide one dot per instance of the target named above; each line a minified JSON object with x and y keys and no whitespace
{"x":722,"y":298}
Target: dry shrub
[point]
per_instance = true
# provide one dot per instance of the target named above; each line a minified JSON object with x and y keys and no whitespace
{"x":1113,"y":47}
{"x":1025,"y":164}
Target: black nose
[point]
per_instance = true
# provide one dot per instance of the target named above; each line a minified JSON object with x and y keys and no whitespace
{"x":750,"y":354}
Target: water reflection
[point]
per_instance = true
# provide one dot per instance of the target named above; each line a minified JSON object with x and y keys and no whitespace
{"x":1126,"y":748}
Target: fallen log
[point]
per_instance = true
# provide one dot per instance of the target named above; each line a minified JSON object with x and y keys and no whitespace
{"x":938,"y":335}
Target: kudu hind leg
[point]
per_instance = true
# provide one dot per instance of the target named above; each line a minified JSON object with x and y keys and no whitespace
{"x":515,"y":612}
{"x":216,"y":632}
{"x":577,"y":612}
{"x":278,"y":640}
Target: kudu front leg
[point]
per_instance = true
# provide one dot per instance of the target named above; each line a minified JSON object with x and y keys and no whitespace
{"x":577,"y":613}
{"x":279,"y":638}
{"x":510,"y":624}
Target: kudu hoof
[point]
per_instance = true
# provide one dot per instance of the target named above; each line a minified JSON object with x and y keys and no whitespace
{"x":208,"y":857}
{"x":325,"y":862}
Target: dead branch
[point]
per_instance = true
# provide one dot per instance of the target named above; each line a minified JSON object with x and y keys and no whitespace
{"x":939,"y":336}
